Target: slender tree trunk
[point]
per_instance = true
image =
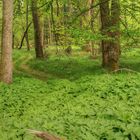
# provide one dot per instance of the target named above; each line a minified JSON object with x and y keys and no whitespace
{"x":46,"y":32}
{"x":42,"y":32}
{"x":91,"y":14}
{"x":57,"y":9}
{"x":27,"y":22}
{"x":65,"y":18}
{"x":6,"y":56}
{"x":50,"y":31}
{"x":37,"y":30}
{"x":24,"y":35}
{"x":13,"y":41}
{"x":53,"y":24}
{"x":54,"y":28}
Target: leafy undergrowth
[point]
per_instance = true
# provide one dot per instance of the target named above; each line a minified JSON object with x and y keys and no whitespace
{"x":68,"y":68}
{"x":75,"y":67}
{"x":93,"y":107}
{"x":77,"y":104}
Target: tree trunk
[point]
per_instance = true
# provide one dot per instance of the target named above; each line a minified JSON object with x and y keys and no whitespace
{"x":37,"y":30}
{"x":6,"y":56}
{"x":91,"y":14}
{"x":24,"y":35}
{"x":114,"y":50}
{"x":110,"y":19}
{"x":27,"y":22}
{"x":105,"y":21}
{"x":50,"y":32}
{"x":55,"y":35}
{"x":13,"y":41}
{"x":46,"y":32}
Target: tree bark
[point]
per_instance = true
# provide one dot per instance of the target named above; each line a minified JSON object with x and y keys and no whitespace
{"x":114,"y":50}
{"x":6,"y":56}
{"x":27,"y":22}
{"x":24,"y":35}
{"x":110,"y":19}
{"x":91,"y":14}
{"x":37,"y":30}
{"x":105,"y":21}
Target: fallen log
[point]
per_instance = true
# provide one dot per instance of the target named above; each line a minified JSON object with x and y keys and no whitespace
{"x":43,"y":135}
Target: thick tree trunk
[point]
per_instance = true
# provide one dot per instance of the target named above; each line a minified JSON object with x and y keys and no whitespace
{"x":6,"y":56}
{"x":110,"y":19}
{"x":105,"y":21}
{"x":114,"y":50}
{"x":37,"y":30}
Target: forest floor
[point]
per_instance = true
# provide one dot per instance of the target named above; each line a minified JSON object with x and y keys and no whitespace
{"x":72,"y":97}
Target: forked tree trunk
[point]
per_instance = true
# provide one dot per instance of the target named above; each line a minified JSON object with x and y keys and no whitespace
{"x":37,"y":30}
{"x":6,"y":56}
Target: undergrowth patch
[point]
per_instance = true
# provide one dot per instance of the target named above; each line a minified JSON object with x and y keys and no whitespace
{"x":79,"y":105}
{"x":93,"y":107}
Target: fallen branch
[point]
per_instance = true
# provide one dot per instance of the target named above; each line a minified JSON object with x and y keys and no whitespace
{"x":125,"y":69}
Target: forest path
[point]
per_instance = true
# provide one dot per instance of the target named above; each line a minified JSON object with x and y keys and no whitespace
{"x":21,"y":66}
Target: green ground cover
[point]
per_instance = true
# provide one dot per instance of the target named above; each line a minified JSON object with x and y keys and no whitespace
{"x":79,"y":100}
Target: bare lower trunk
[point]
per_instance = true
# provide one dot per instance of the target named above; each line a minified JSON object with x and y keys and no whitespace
{"x":6,"y":56}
